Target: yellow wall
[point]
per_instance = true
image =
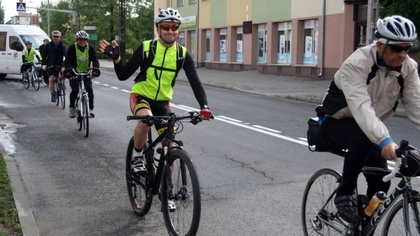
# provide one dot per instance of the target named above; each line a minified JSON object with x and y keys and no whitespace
{"x":240,"y":11}
{"x":311,"y":8}
{"x":205,"y":11}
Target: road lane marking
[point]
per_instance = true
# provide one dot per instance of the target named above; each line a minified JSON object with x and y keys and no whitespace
{"x":236,"y":122}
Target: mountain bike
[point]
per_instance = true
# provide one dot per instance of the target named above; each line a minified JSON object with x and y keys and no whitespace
{"x":319,"y":215}
{"x":81,"y":105}
{"x":175,"y":178}
{"x":30,"y":76}
{"x":59,"y":88}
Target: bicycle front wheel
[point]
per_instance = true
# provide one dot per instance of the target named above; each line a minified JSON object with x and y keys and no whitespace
{"x":35,"y":80}
{"x":57,"y":92}
{"x":181,"y":189}
{"x":137,"y":187}
{"x":394,"y":223}
{"x":318,"y":204}
{"x":25,"y":80}
{"x":62,"y":94}
{"x":85,"y":117}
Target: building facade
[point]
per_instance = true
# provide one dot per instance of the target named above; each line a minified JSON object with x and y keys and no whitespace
{"x":286,"y":37}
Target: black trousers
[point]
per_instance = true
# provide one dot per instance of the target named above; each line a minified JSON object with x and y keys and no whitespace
{"x":75,"y":84}
{"x":347,"y":134}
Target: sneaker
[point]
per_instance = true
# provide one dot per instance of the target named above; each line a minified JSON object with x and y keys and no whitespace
{"x":137,"y":163}
{"x":53,"y":97}
{"x":346,"y":207}
{"x":72,"y":112}
{"x":91,"y":115}
{"x":171,"y":206}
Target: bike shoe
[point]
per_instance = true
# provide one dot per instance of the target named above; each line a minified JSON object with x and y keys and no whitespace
{"x":91,"y":115}
{"x":346,"y":207}
{"x":171,"y":206}
{"x":138,"y":167}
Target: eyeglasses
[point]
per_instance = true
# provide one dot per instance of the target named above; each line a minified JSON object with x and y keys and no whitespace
{"x":167,"y":27}
{"x":397,"y":48}
{"x":56,"y":36}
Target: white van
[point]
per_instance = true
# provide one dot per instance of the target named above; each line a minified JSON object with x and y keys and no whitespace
{"x":12,"y":42}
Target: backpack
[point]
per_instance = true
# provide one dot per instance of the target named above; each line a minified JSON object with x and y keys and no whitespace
{"x":149,"y":56}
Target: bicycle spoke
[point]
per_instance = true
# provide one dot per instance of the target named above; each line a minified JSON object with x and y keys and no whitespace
{"x":136,"y":186}
{"x":318,"y":215}
{"x":185,"y":195}
{"x":394,"y":224}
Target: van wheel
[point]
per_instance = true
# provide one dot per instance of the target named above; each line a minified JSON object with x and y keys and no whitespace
{"x":2,"y":76}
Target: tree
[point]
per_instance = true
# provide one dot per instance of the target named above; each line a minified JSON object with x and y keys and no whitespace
{"x":58,"y":20}
{"x":1,"y":12}
{"x":407,"y":8}
{"x":104,"y":15}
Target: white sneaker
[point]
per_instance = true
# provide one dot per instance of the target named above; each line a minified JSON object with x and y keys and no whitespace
{"x":137,"y":162}
{"x":171,"y":206}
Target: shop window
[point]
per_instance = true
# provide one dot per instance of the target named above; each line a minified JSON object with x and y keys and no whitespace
{"x":284,"y":43}
{"x":310,"y":41}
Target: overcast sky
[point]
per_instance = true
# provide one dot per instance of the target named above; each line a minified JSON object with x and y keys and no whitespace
{"x":9,"y":7}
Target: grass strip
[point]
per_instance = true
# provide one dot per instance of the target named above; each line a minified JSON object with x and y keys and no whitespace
{"x":9,"y":219}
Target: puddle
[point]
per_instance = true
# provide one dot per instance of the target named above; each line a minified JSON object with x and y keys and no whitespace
{"x":7,"y":134}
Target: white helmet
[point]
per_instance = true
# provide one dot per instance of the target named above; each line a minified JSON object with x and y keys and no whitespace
{"x":396,"y":28}
{"x":169,"y":15}
{"x":81,"y":35}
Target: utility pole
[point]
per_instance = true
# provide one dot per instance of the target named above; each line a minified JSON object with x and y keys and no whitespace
{"x":122,"y":29}
{"x":77,"y":10}
{"x":372,"y":17}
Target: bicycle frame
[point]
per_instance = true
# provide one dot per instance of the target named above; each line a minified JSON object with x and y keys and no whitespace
{"x":168,"y":136}
{"x":403,"y":188}
{"x":401,"y":202}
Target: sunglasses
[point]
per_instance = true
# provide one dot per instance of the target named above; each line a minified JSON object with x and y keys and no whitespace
{"x":397,"y":48}
{"x":168,"y":27}
{"x":55,"y":36}
{"x":82,"y":39}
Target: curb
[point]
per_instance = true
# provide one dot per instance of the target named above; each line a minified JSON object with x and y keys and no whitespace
{"x":26,"y":218}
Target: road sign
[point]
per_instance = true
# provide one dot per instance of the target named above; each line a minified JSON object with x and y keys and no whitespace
{"x":21,"y":6}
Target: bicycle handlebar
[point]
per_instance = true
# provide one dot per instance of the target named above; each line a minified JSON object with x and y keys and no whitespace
{"x":171,"y":119}
{"x":401,"y":152}
{"x":74,"y":73}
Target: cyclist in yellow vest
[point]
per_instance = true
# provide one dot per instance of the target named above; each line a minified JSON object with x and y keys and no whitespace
{"x":28,"y":56}
{"x":153,"y":87}
{"x":81,"y":56}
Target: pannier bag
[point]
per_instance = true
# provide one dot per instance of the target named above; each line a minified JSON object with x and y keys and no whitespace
{"x":413,"y":163}
{"x":315,"y":140}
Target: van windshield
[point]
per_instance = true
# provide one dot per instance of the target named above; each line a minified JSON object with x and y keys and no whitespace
{"x":37,"y":40}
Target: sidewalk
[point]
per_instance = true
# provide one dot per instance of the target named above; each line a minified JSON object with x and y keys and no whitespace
{"x":296,"y":88}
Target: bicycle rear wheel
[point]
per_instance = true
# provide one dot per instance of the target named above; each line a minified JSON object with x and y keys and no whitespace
{"x":137,"y":187}
{"x":185,"y":193}
{"x":394,"y":223}
{"x":318,"y":207}
{"x":25,"y":80}
{"x":35,"y":80}
{"x":85,"y":117}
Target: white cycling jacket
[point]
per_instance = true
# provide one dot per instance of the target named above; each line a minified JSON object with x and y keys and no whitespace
{"x":372,"y":104}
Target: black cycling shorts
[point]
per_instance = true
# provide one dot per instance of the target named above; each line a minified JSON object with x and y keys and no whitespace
{"x":158,"y":108}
